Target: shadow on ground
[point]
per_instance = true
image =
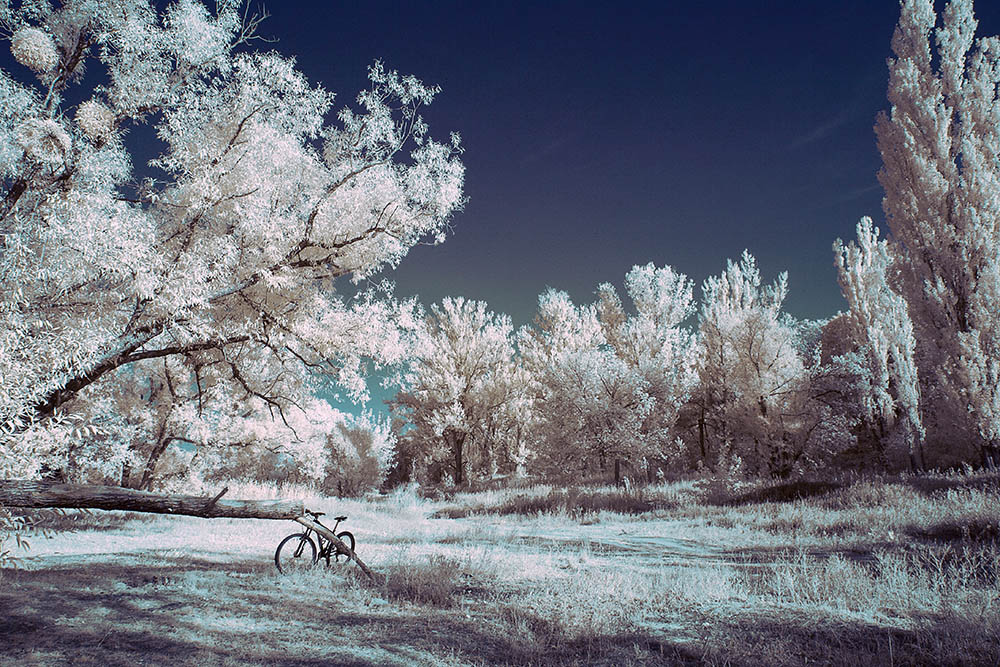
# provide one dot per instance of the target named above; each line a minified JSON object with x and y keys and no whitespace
{"x":934,"y":485}
{"x":779,"y":493}
{"x":189,"y":611}
{"x":183,"y":611}
{"x":795,"y":637}
{"x":786,"y":492}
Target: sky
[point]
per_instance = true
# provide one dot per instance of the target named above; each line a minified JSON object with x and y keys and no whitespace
{"x":599,"y":136}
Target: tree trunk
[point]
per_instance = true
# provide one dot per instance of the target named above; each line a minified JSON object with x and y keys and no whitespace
{"x":16,"y":493}
{"x":457,"y":448}
{"x":701,"y":436}
{"x":990,"y":456}
{"x":154,"y":457}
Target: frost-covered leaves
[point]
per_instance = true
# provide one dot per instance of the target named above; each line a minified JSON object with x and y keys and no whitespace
{"x":259,"y":201}
{"x":463,"y":391}
{"x":940,"y":147}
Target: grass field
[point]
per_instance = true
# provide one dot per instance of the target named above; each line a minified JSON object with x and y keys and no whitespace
{"x":859,"y":572}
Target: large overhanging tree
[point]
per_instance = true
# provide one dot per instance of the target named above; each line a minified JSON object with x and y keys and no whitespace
{"x":222,"y":257}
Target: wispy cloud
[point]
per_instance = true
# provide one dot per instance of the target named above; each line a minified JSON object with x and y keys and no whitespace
{"x":826,"y":203}
{"x":857,"y":193}
{"x":824,"y":129}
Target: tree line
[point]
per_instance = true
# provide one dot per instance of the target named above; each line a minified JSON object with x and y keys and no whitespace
{"x":201,"y":299}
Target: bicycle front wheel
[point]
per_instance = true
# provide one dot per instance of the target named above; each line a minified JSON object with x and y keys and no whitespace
{"x":294,"y":553}
{"x":347,"y":538}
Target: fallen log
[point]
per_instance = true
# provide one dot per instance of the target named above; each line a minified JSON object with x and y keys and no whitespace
{"x":339,"y":543}
{"x":17,"y":493}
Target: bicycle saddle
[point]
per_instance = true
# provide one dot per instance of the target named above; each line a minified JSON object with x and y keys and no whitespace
{"x":315,"y":514}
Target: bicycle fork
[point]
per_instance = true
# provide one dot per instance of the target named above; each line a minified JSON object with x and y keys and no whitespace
{"x":302,"y":543}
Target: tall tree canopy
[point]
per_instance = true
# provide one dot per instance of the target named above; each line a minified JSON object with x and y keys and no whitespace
{"x":463,"y":392}
{"x":940,"y":146}
{"x":224,"y":251}
{"x":879,"y":320}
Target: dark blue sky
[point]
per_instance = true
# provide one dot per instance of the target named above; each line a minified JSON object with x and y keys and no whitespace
{"x":603,"y":135}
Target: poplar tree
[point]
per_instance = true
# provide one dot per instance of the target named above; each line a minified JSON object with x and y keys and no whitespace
{"x":879,"y":321}
{"x":940,"y":146}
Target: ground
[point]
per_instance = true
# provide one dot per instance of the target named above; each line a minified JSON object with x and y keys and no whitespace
{"x":683,"y":577}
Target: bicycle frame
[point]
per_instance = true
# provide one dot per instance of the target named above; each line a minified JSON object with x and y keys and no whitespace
{"x":326,"y":547}
{"x":330,"y":543}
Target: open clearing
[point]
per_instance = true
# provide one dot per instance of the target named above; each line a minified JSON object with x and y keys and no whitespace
{"x":692,"y":582}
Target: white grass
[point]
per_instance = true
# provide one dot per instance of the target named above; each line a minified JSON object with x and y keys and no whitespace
{"x":755,"y":583}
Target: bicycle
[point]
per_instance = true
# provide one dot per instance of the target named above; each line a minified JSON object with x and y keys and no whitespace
{"x":298,"y":551}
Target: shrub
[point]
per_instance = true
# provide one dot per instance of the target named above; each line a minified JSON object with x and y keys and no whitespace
{"x":434,"y":581}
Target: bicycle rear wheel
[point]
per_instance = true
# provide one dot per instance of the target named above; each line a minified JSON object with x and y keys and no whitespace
{"x":294,"y":553}
{"x":347,"y":538}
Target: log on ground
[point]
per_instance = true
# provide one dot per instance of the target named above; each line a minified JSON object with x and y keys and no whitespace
{"x":339,"y":543}
{"x":18,"y":493}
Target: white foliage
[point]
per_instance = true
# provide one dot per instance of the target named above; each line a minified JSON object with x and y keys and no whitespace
{"x":228,"y":257}
{"x":751,"y":377}
{"x":43,"y":140}
{"x":463,"y":391}
{"x":940,"y":147}
{"x":95,"y":120}
{"x":595,"y":407}
{"x":560,"y":328}
{"x":34,"y":49}
{"x":880,"y":321}
{"x":610,"y":384}
{"x":359,"y":452}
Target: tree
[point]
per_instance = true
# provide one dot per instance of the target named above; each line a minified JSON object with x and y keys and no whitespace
{"x":655,"y":345}
{"x":224,"y":256}
{"x":460,"y":387}
{"x":609,"y":383}
{"x":879,"y":320}
{"x":752,"y":382}
{"x":595,"y":409}
{"x":564,"y":338}
{"x":359,"y":451}
{"x":244,"y":441}
{"x":940,"y":146}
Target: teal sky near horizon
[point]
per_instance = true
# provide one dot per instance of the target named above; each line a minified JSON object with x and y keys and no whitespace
{"x":602,"y":135}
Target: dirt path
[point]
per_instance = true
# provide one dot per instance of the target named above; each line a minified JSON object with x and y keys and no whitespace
{"x":640,"y":544}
